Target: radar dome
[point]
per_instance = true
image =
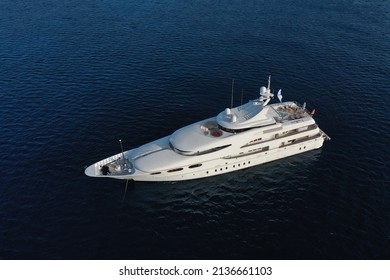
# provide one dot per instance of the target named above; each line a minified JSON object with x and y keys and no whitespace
{"x":227,"y":111}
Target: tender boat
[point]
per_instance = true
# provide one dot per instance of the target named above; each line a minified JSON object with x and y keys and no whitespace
{"x":237,"y":138}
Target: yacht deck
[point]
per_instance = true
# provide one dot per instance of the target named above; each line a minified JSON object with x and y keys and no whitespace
{"x":288,"y":111}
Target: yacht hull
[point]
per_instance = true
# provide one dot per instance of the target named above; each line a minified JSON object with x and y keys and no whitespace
{"x":237,"y":138}
{"x":212,"y":167}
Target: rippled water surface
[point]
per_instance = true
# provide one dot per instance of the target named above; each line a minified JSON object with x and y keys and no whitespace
{"x":76,"y":76}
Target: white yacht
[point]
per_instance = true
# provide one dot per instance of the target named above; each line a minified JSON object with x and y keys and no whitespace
{"x":237,"y":138}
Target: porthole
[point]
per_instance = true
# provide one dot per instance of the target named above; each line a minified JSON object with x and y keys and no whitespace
{"x":175,"y":170}
{"x":226,"y":167}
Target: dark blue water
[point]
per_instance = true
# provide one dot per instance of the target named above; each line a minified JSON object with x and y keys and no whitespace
{"x":76,"y":76}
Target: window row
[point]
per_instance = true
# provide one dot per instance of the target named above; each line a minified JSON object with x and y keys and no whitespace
{"x":178,"y":169}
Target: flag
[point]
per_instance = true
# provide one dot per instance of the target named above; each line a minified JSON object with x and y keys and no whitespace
{"x":313,"y":112}
{"x":280,"y":95}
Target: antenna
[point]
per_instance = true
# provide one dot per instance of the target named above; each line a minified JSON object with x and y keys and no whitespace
{"x":269,"y":82}
{"x":242,"y":95}
{"x":231,"y":102}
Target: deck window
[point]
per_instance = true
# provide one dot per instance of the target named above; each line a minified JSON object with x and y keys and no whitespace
{"x":233,"y":130}
{"x":195,"y":165}
{"x":197,"y":153}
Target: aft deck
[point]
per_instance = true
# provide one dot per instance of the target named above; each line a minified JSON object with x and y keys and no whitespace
{"x":289,"y":111}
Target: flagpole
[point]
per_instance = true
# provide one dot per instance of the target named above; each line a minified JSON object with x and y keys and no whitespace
{"x":123,"y":154}
{"x":269,"y":81}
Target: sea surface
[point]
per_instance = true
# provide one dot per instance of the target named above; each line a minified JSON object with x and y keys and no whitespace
{"x":76,"y":76}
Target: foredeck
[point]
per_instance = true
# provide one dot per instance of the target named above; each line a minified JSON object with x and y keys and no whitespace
{"x":117,"y":167}
{"x":111,"y":166}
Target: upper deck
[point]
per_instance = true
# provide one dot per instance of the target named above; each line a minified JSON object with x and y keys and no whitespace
{"x":251,"y":114}
{"x":210,"y":133}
